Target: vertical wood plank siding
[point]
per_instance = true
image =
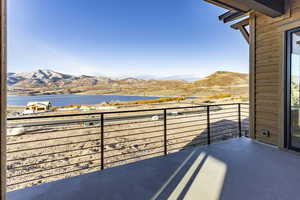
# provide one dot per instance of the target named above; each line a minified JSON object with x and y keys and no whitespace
{"x":252,"y":71}
{"x":3,"y":98}
{"x":269,"y":56}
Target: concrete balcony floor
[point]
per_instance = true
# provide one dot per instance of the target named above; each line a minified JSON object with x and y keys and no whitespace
{"x":234,"y":169}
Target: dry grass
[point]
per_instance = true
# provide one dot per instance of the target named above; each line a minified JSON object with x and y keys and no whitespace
{"x":125,"y":141}
{"x":138,"y":102}
{"x":160,"y":100}
{"x":220,"y":96}
{"x":219,"y":82}
{"x":223,"y":78}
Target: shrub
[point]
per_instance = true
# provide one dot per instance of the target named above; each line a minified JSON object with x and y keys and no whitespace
{"x":139,"y":102}
{"x":220,"y":96}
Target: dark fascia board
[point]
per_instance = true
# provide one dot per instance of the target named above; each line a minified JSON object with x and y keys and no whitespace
{"x":216,"y":3}
{"x":231,"y":16}
{"x":230,"y":5}
{"x":227,"y":14}
{"x":272,"y":8}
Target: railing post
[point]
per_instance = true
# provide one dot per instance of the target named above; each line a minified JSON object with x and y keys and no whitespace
{"x":240,"y":124}
{"x":208,"y":125}
{"x":102,"y":141}
{"x":165,"y":132}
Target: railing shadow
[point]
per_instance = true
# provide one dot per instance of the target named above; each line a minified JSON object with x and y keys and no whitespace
{"x":219,"y":131}
{"x":92,"y":151}
{"x":179,"y":175}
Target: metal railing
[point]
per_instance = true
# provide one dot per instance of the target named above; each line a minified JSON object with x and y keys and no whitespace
{"x":50,"y":147}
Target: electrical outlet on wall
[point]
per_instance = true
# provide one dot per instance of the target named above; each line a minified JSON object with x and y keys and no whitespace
{"x":265,"y":132}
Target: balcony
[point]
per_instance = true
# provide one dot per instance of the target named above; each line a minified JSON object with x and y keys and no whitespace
{"x":238,"y":168}
{"x":46,"y":150}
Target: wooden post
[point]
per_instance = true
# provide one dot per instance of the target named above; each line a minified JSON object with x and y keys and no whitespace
{"x":252,"y":79}
{"x":241,"y":27}
{"x":3,"y":98}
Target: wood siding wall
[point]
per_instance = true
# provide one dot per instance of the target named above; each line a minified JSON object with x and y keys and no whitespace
{"x":3,"y":97}
{"x":268,"y":73}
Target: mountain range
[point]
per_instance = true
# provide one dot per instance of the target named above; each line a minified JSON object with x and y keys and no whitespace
{"x":45,"y":81}
{"x":184,"y":77}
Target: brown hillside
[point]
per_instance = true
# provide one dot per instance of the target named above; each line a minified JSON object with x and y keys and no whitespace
{"x":223,"y":79}
{"x":49,"y":82}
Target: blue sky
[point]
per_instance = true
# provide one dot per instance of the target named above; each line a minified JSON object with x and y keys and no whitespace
{"x":122,"y":37}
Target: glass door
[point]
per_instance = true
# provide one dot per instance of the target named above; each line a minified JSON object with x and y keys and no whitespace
{"x":293,"y":87}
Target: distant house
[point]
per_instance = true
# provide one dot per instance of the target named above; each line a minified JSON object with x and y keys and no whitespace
{"x":39,"y":106}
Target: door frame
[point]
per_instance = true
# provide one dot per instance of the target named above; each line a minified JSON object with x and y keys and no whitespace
{"x":287,"y":89}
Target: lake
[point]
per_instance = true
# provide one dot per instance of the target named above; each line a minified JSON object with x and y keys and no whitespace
{"x":67,"y":99}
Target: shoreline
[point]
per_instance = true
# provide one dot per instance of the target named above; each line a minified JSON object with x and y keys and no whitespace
{"x":119,"y":102}
{"x":123,"y":95}
{"x":79,"y":94}
{"x":83,"y":94}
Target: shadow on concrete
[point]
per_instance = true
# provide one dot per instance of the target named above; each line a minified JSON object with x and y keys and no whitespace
{"x":218,"y":171}
{"x":233,"y":169}
{"x":219,"y":131}
{"x":236,"y":169}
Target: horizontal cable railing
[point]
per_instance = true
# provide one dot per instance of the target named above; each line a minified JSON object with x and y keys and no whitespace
{"x":45,"y":148}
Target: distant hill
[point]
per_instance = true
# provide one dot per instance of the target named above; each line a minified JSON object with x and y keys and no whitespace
{"x":49,"y":78}
{"x":183,"y":77}
{"x":223,"y":78}
{"x":45,"y":81}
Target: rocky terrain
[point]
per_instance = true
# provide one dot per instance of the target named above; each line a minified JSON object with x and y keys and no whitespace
{"x":51,"y":151}
{"x":48,"y":152}
{"x":50,"y":82}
